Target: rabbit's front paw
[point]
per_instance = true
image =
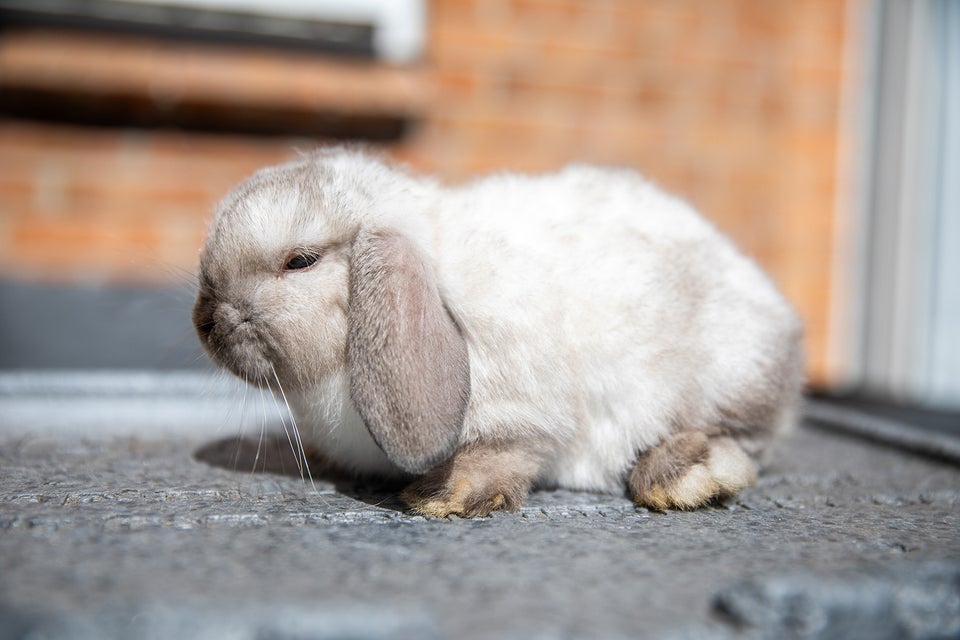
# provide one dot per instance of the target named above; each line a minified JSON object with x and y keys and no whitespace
{"x":689,"y":469}
{"x":434,"y":497}
{"x":476,"y":481}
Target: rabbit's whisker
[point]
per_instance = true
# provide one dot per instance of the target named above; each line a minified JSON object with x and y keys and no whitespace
{"x":243,"y":413}
{"x":263,"y":428}
{"x":283,"y":424}
{"x":300,"y":452}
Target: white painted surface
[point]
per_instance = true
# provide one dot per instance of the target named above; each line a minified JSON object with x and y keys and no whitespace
{"x":399,"y":25}
{"x":147,"y":403}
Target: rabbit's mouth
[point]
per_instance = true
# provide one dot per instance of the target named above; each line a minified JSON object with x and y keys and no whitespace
{"x":245,"y":357}
{"x":241,"y":351}
{"x":235,"y":341}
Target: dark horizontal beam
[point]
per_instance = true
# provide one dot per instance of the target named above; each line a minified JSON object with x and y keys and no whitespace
{"x":191,"y":24}
{"x":69,"y":106}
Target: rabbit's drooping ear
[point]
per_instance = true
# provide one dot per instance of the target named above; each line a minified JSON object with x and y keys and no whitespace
{"x":407,"y":361}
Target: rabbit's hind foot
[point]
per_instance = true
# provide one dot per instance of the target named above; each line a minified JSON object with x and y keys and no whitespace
{"x":474,"y":482}
{"x":689,"y":469}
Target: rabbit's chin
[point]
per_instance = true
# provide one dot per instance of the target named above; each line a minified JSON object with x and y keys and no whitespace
{"x":247,"y":361}
{"x":257,"y":371}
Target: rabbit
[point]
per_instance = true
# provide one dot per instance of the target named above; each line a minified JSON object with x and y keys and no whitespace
{"x":580,"y":330}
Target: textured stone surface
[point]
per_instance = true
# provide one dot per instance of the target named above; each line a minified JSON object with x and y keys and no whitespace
{"x":902,"y":600}
{"x":173,"y":533}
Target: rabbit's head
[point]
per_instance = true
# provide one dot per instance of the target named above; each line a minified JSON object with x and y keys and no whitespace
{"x":314,"y":269}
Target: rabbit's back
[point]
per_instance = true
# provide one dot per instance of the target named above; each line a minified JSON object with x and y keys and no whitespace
{"x":601,"y":314}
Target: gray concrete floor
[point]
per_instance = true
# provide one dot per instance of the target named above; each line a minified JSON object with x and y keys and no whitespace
{"x":153,"y":533}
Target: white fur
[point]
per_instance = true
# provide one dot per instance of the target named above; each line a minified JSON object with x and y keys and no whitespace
{"x":599,"y":313}
{"x":565,"y":288}
{"x":331,"y":424}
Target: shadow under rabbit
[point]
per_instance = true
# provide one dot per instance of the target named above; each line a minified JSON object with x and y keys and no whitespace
{"x":275,"y":455}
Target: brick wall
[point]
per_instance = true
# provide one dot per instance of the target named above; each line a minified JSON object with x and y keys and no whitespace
{"x":731,"y":103}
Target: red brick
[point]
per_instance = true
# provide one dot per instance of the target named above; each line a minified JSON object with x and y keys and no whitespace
{"x":731,"y":103}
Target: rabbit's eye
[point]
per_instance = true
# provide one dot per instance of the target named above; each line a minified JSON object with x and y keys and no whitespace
{"x":301,"y":260}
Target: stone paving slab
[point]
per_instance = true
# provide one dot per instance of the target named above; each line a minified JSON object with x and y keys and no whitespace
{"x":122,"y":536}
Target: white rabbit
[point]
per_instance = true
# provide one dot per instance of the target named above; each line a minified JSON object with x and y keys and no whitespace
{"x":580,"y":330}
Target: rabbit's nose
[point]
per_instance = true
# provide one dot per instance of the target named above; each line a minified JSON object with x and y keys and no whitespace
{"x":203,"y":315}
{"x":228,"y":316}
{"x":206,"y":327}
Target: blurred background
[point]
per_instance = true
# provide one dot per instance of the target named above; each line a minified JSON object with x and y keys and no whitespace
{"x":822,"y":135}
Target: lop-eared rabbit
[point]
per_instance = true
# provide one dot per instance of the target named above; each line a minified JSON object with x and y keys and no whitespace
{"x":582,"y":330}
